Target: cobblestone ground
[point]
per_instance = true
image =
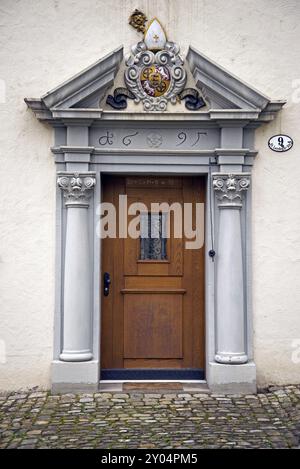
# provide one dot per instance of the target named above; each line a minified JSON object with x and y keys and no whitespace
{"x":145,"y":420}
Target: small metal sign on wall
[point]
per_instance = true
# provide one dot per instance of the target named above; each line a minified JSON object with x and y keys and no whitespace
{"x":280,"y":143}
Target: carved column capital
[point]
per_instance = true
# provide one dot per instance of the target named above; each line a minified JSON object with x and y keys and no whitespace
{"x":229,"y":188}
{"x":77,"y":187}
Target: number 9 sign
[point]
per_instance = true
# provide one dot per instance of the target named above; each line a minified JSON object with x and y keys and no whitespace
{"x":280,"y":143}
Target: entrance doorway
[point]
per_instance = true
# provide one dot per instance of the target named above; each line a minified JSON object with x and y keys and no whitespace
{"x":153,"y":282}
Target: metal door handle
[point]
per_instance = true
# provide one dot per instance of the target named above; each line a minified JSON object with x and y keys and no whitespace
{"x":106,"y":283}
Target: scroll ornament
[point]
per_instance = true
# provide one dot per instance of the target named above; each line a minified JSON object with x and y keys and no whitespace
{"x":76,"y":187}
{"x":230,"y":188}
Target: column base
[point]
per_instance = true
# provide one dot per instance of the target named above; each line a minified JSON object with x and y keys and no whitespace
{"x":75,"y":376}
{"x":78,"y":356}
{"x":232,"y":379}
{"x":231,"y":358}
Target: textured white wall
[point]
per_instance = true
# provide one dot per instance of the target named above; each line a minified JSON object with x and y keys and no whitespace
{"x":44,"y":42}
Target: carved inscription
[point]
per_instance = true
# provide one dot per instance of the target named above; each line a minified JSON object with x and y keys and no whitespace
{"x":186,"y":139}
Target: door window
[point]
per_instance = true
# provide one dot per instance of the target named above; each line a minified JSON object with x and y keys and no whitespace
{"x":153,"y":236}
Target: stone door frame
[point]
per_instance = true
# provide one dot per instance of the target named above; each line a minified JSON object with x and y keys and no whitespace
{"x":235,"y":111}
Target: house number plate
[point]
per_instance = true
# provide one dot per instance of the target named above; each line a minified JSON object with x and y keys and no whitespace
{"x":280,"y":143}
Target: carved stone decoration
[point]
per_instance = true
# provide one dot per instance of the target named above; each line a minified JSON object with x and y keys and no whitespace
{"x":230,"y":188}
{"x":154,"y":140}
{"x":155,"y":78}
{"x":77,"y":187}
{"x":155,"y":74}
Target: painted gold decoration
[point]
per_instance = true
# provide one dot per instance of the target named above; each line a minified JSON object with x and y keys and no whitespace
{"x":137,"y":20}
{"x":155,"y":80}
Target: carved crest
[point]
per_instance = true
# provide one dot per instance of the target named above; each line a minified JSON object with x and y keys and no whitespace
{"x":154,"y":73}
{"x":155,"y":77}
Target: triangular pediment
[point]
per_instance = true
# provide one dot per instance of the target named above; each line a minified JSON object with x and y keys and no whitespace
{"x":223,"y":92}
{"x":84,"y":90}
{"x":221,"y":88}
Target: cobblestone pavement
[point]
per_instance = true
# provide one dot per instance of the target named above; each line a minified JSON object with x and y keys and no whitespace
{"x":144,"y":420}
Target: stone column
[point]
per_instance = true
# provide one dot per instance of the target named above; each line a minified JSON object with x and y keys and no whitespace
{"x":77,"y":304}
{"x":230,"y":299}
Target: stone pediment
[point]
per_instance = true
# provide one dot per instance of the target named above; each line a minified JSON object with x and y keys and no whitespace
{"x":81,"y":92}
{"x":226,"y":96}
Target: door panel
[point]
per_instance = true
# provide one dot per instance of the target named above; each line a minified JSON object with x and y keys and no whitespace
{"x":159,"y":313}
{"x":153,"y":318}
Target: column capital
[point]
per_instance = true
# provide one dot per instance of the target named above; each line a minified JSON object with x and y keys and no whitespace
{"x":229,"y":188}
{"x":77,"y":187}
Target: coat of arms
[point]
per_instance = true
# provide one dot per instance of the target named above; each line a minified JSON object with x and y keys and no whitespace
{"x":154,"y":73}
{"x":155,"y":80}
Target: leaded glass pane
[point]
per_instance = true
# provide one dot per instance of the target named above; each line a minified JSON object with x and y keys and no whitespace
{"x":153,"y":240}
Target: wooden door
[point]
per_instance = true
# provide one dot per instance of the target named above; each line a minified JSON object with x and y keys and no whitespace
{"x":153,"y":316}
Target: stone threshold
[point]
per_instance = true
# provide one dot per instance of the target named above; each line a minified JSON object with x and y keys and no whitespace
{"x":152,"y":387}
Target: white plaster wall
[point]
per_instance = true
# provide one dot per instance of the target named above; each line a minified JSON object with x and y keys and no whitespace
{"x":44,"y":42}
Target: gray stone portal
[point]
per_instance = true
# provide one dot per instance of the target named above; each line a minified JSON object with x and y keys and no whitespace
{"x":218,"y":142}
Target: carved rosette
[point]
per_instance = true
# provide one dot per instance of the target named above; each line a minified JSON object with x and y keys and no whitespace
{"x":77,"y":187}
{"x":164,"y":67}
{"x":230,"y":188}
